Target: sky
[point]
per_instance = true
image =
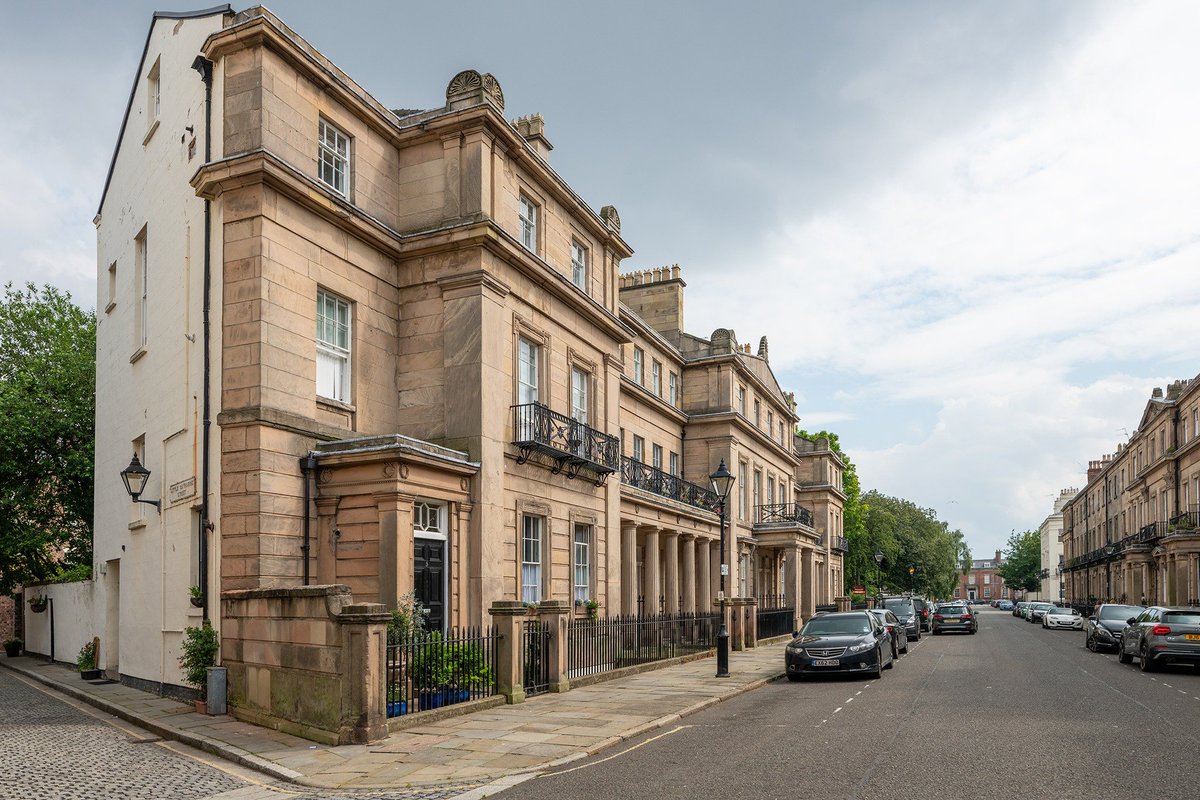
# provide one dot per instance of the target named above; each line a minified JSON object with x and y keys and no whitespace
{"x":968,"y":230}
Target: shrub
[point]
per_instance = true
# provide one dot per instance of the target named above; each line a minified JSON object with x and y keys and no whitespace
{"x":87,"y":657}
{"x":199,"y":652}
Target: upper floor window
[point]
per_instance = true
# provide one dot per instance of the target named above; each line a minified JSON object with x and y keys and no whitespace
{"x":153,"y":93}
{"x":579,"y":395}
{"x":673,"y":388}
{"x":639,"y":449}
{"x":333,"y":159}
{"x":529,"y":354}
{"x":656,"y":378}
{"x":141,"y":276}
{"x":770,"y":423}
{"x":527,"y":212}
{"x":757,"y":414}
{"x":743,"y":490}
{"x":333,"y":347}
{"x":674,"y":464}
{"x":742,"y":400}
{"x":579,"y":265}
{"x":657,"y":455}
{"x":639,"y":366}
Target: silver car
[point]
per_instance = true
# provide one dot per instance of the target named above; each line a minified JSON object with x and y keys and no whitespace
{"x":1161,"y":635}
{"x":1033,"y":613}
{"x":1058,"y":617}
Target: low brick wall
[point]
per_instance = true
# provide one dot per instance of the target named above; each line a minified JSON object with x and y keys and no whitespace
{"x":307,"y":661}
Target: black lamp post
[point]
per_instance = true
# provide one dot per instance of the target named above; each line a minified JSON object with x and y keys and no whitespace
{"x":722,"y":481}
{"x":134,"y":476}
{"x":879,"y":570}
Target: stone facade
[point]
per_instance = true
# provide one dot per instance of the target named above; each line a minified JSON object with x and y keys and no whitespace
{"x":1052,"y":552}
{"x":428,"y":374}
{"x":1133,"y":533}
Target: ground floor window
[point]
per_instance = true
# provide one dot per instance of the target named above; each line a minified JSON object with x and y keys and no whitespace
{"x":583,"y":563}
{"x":531,"y":559}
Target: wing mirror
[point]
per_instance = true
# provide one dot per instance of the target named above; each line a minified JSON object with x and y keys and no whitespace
{"x":1131,"y":621}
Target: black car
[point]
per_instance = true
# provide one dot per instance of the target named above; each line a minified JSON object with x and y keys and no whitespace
{"x":904,"y":608}
{"x":1104,"y":627}
{"x":840,"y":643}
{"x":924,"y":612}
{"x":895,"y":629}
{"x":954,"y":617}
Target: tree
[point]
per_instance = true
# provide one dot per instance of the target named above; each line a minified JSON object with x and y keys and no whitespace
{"x":910,"y":537}
{"x":1022,"y":568}
{"x":48,"y":408}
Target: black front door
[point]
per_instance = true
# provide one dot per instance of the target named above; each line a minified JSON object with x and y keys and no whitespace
{"x":429,"y":571}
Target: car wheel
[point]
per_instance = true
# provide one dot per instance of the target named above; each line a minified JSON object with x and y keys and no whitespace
{"x":878,"y":671}
{"x":1090,"y":643}
{"x":795,"y":677}
{"x":1122,"y":656}
{"x":1146,"y":662}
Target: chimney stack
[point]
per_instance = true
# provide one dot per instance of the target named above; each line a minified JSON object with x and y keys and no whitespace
{"x":533,"y":130}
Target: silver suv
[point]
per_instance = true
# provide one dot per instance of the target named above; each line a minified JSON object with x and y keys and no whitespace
{"x":1161,"y":635}
{"x":904,"y":608}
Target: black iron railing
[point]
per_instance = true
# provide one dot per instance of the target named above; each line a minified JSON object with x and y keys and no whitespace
{"x":431,"y":670}
{"x":601,"y":645}
{"x":535,"y":656}
{"x":840,"y":543}
{"x":1187,"y":521}
{"x":778,"y":621}
{"x":572,"y":445}
{"x":788,"y":513}
{"x":653,"y":479}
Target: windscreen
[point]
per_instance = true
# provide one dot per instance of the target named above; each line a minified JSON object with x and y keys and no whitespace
{"x":1120,"y":612}
{"x":1067,"y":612}
{"x":950,"y":610}
{"x":899,"y":606}
{"x":835,"y":625}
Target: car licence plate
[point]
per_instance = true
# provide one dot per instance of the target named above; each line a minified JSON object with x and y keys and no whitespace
{"x":1192,"y":637}
{"x":825,"y":662}
{"x":950,"y":619}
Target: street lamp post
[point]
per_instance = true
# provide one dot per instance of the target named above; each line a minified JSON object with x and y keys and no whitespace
{"x":722,"y":481}
{"x":879,"y":571}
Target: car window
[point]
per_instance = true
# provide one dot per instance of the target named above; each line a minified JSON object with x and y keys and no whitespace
{"x":835,"y":625}
{"x":899,"y":605}
{"x":951,"y":609}
{"x":1060,"y":610}
{"x":1182,"y":617}
{"x":1112,"y":611}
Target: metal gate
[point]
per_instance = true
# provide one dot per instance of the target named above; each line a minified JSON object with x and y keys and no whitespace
{"x":535,"y":664}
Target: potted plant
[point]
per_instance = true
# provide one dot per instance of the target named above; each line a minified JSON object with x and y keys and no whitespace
{"x":430,"y":671}
{"x":593,"y":608}
{"x":12,"y":647}
{"x":86,"y":662}
{"x":38,"y":603}
{"x":197,"y":654}
{"x":397,"y":703}
{"x":469,"y":669}
{"x":197,"y":596}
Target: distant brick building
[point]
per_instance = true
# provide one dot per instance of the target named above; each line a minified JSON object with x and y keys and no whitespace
{"x":983,"y":581}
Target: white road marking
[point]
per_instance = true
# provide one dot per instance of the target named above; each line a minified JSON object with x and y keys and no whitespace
{"x":850,"y":700}
{"x":836,"y":710}
{"x":676,"y":729}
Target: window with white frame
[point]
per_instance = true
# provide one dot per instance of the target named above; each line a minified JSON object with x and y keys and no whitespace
{"x":770,"y":491}
{"x":333,"y":347}
{"x":656,"y":454}
{"x":583,"y":562}
{"x":153,"y":94}
{"x":673,"y":389}
{"x":112,"y":288}
{"x":579,"y":395}
{"x":758,"y":476}
{"x":757,"y":414}
{"x":744,"y":575}
{"x":770,"y":423}
{"x":527,"y":213}
{"x":333,"y":158}
{"x":674,"y":462}
{"x":743,"y":490}
{"x":429,"y":518}
{"x":529,"y":354}
{"x":987,"y":579}
{"x":656,"y":377}
{"x":639,"y":449}
{"x":639,"y":362}
{"x":531,"y":559}
{"x":579,"y":260}
{"x":742,"y":400}
{"x":141,"y":272}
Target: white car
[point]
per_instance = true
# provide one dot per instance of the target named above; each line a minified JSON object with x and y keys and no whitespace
{"x":1062,"y":618}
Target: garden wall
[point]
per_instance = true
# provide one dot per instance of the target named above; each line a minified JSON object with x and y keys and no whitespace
{"x":73,"y":623}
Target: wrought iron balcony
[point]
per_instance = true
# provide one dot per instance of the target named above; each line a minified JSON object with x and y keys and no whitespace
{"x":782,"y":513}
{"x":571,"y":444}
{"x":841,"y":543}
{"x":653,"y":479}
{"x":1187,"y":521}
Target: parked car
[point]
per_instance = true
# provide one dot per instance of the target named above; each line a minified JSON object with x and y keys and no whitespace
{"x":904,"y":608}
{"x":950,"y":617}
{"x":1019,"y":608}
{"x":1034,"y":611}
{"x":1060,"y":617}
{"x":1161,"y":635}
{"x":1104,"y":627}
{"x":895,"y":629}
{"x":1004,"y":605}
{"x":844,"y":642}
{"x":924,"y":612}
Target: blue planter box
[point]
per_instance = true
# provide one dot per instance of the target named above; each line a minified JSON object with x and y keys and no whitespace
{"x":397,"y":708}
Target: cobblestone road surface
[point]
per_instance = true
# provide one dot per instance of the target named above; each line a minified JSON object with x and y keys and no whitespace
{"x":55,"y":749}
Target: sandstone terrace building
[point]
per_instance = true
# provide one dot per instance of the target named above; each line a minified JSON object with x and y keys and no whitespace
{"x":367,"y":351}
{"x":1133,"y":534}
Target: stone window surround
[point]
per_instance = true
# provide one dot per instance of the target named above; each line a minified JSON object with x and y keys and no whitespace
{"x":576,"y":360}
{"x":346,"y":191}
{"x":537,"y":202}
{"x":533,"y":508}
{"x":523,"y":328}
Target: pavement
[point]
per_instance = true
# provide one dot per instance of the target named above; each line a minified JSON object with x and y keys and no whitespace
{"x":473,"y":755}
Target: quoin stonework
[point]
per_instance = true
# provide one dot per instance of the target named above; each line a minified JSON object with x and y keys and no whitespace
{"x":366,"y":351}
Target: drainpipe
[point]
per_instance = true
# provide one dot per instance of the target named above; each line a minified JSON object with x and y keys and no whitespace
{"x":205,"y":68}
{"x":308,"y":466}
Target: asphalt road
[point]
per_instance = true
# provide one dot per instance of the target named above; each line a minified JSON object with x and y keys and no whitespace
{"x":1013,"y":711}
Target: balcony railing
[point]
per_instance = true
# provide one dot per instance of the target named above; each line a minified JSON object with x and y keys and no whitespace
{"x":1187,"y":521}
{"x":782,"y":513}
{"x":653,"y":479}
{"x":570,"y":443}
{"x":841,"y":543}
